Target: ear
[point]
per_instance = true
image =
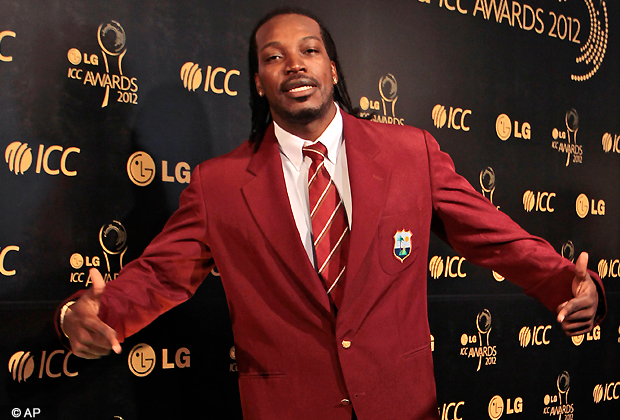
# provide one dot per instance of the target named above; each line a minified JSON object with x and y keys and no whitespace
{"x":259,"y":85}
{"x":334,"y":73}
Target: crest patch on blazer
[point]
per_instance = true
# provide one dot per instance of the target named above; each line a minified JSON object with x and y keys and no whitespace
{"x":402,"y":244}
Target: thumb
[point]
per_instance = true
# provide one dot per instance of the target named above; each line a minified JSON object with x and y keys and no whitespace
{"x":94,"y":293}
{"x":581,"y":269}
{"x":98,"y":284}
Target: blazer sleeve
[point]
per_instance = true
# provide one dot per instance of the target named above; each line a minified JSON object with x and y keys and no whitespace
{"x":489,"y":238}
{"x":168,"y":272}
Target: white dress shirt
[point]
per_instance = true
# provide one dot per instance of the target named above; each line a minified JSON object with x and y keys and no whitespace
{"x":296,"y":169}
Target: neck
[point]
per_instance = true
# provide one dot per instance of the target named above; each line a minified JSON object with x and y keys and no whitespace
{"x":310,"y":130}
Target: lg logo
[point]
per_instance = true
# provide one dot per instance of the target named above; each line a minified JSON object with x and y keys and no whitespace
{"x":141,"y":170}
{"x":142,"y":359}
{"x":583,"y":206}
{"x":497,"y":406}
{"x":503,"y":127}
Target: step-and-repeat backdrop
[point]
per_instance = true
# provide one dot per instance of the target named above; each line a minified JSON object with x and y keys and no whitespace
{"x":106,"y":107}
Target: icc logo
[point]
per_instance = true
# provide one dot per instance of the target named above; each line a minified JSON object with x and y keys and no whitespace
{"x":3,"y":253}
{"x":19,"y":157}
{"x":436,"y":267}
{"x":604,"y":268}
{"x":6,"y":58}
{"x":538,"y":336}
{"x":191,"y":75}
{"x":610,"y":143}
{"x":605,"y":392}
{"x":21,"y":365}
{"x":540,"y":201}
{"x":450,"y":411}
{"x":503,"y":127}
{"x":142,"y":359}
{"x":440,"y":117}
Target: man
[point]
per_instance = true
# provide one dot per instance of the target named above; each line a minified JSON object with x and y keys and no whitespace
{"x":323,"y":331}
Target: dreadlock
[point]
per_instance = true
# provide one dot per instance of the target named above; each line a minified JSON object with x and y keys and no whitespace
{"x":261,"y":116}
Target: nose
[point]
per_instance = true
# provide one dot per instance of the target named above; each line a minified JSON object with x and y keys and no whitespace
{"x":295,"y":64}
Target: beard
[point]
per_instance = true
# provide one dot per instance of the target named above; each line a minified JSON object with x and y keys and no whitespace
{"x":306,"y":115}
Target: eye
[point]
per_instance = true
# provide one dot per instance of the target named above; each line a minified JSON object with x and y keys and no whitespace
{"x":272,"y":57}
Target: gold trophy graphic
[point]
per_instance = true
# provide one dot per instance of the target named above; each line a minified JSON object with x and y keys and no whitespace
{"x":572,"y":125}
{"x":111,"y":38}
{"x":483,"y":323}
{"x":563,"y":388}
{"x":487,"y":183}
{"x":113,"y":241}
{"x":389,"y":92}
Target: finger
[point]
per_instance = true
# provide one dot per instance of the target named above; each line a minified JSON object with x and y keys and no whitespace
{"x":98,"y":283}
{"x":102,"y":335}
{"x":576,"y":308}
{"x":581,"y":266}
{"x":577,"y":329}
{"x":89,"y":351}
{"x":561,"y":312}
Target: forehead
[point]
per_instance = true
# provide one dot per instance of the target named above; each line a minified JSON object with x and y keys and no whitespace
{"x":283,"y":28}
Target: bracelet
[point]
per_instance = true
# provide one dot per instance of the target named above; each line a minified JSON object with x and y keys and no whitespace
{"x":63,"y":312}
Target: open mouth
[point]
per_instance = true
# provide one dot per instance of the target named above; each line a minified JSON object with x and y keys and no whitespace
{"x":300,"y":89}
{"x":299,"y":85}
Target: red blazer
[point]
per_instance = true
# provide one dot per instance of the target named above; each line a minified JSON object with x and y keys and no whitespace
{"x":295,"y":359}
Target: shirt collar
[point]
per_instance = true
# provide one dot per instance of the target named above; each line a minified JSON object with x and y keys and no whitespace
{"x":291,"y":145}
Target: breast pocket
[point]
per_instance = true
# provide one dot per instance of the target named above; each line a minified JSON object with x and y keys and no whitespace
{"x":398,"y":242}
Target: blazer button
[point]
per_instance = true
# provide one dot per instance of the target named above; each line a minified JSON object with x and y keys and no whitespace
{"x":345,"y":401}
{"x":346,"y":344}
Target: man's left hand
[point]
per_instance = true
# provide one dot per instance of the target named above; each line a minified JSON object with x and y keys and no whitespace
{"x":577,"y":315}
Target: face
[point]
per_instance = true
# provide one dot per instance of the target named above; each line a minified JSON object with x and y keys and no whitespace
{"x":295,"y":73}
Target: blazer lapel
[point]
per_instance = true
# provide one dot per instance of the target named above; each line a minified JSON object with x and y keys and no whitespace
{"x":268,"y":201}
{"x":369,"y":184}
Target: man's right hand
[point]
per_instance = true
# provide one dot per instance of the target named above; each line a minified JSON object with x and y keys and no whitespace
{"x":90,"y":338}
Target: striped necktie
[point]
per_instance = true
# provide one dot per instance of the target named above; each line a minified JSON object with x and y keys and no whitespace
{"x":330,"y":227}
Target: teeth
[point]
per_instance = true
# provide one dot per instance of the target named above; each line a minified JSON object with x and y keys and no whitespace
{"x":300,"y":89}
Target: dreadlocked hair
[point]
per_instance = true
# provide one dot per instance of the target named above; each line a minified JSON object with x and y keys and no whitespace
{"x":261,"y":116}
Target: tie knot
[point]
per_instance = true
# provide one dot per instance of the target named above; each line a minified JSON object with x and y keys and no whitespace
{"x":317,"y":152}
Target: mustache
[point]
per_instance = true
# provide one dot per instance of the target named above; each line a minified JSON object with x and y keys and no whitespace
{"x":298,"y":81}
